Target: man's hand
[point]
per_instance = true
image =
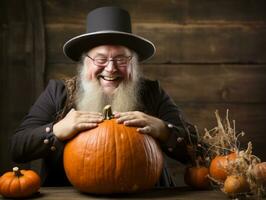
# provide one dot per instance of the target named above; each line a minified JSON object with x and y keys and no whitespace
{"x":74,"y":122}
{"x":146,"y":124}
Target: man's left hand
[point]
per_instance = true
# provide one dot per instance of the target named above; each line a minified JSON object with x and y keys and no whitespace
{"x":146,"y":124}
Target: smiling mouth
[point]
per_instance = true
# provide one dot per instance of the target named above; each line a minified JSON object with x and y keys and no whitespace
{"x":109,"y":78}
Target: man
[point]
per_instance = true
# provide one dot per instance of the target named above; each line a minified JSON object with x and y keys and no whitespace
{"x":108,"y":74}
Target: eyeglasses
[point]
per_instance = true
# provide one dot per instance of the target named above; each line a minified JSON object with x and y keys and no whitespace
{"x":104,"y":61}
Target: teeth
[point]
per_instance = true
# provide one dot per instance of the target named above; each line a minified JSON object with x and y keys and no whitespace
{"x":109,"y":78}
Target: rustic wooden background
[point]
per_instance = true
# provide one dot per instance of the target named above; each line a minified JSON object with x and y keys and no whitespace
{"x":211,"y":54}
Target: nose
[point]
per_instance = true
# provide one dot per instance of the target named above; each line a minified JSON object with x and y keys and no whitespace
{"x":110,"y":67}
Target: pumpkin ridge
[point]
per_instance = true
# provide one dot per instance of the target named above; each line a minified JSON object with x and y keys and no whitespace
{"x":132,"y":160}
{"x":104,"y":178}
{"x":107,"y":176}
{"x":28,"y":178}
{"x":8,"y":189}
{"x":154,"y":143}
{"x":83,"y":161}
{"x":97,"y":156}
{"x":9,"y":184}
{"x":116,"y":156}
{"x":104,"y":161}
{"x":146,"y":155}
{"x":85,"y":152}
{"x":2,"y":181}
{"x":147,"y":149}
{"x":154,"y":157}
{"x":21,"y":184}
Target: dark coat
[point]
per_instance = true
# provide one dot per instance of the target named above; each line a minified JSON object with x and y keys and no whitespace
{"x":34,"y":139}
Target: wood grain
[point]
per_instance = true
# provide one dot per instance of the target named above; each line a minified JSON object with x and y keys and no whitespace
{"x":183,"y":12}
{"x":65,"y":193}
{"x":181,"y":44}
{"x":23,"y":61}
{"x":35,"y":43}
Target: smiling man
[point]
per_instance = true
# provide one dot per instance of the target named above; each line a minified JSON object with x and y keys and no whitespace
{"x":108,"y":73}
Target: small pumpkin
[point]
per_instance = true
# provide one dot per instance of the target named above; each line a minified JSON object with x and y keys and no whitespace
{"x":19,"y":183}
{"x":259,"y":172}
{"x":197,"y":177}
{"x":218,"y":166}
{"x":235,"y":184}
{"x":112,"y":158}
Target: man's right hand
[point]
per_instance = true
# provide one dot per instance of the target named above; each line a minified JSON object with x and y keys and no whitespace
{"x":75,"y":122}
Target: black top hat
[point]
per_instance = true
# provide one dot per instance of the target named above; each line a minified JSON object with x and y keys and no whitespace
{"x":108,"y":25}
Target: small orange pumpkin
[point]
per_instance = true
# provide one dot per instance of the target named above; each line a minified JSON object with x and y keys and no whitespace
{"x":197,"y":177}
{"x":19,"y":183}
{"x":112,"y":158}
{"x":235,"y":184}
{"x":219,"y":165}
{"x":259,"y":172}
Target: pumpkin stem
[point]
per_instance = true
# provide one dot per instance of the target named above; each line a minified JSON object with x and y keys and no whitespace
{"x":107,"y":112}
{"x":17,"y":172}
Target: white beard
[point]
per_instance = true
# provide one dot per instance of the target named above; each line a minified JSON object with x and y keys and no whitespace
{"x":91,"y":97}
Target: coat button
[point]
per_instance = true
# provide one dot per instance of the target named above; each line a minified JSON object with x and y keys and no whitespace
{"x":179,"y":139}
{"x":170,"y":149}
{"x":53,"y":148}
{"x":47,"y":129}
{"x":46,"y":141}
{"x":170,"y":125}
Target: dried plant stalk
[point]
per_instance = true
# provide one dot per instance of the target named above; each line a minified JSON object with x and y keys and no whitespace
{"x":222,"y":140}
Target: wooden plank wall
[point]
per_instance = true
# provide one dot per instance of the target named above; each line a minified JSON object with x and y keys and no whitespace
{"x":22,"y":67}
{"x":210,"y":55}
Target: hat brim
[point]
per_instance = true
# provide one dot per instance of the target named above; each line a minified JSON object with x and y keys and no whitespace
{"x":82,"y":43}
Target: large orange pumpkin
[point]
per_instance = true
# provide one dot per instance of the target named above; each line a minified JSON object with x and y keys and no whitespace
{"x":112,"y":158}
{"x":218,"y":166}
{"x":19,"y":183}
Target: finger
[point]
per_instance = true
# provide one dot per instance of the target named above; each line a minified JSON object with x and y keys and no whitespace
{"x":135,"y":122}
{"x":88,"y":116}
{"x":121,"y":114}
{"x":115,"y":112}
{"x":125,"y":118}
{"x":89,"y":119}
{"x":145,"y":130}
{"x":85,"y":126}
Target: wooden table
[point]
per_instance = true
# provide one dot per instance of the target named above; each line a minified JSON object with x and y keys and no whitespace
{"x":65,"y":193}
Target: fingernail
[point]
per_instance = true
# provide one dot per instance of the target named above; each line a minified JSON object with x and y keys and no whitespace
{"x":116,"y":114}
